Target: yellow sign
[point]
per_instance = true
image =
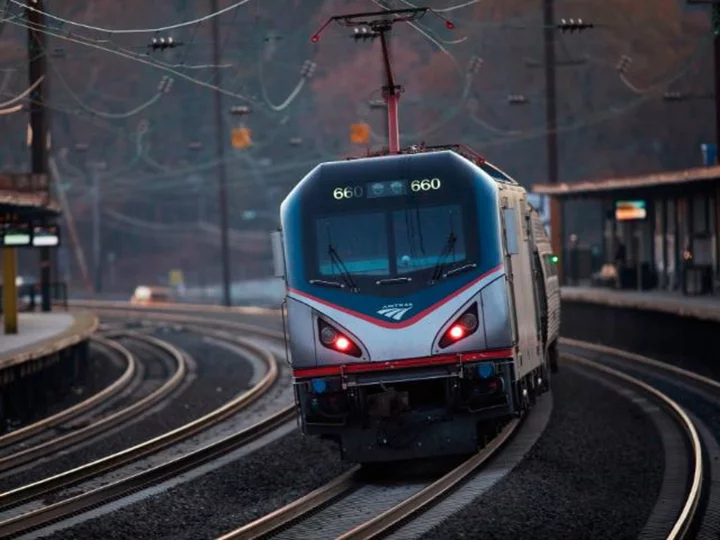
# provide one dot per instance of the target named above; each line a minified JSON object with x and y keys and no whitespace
{"x":176,"y":277}
{"x":359,"y":133}
{"x":241,"y":137}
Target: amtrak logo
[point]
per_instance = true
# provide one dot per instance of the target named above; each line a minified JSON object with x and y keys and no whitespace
{"x":395,"y":311}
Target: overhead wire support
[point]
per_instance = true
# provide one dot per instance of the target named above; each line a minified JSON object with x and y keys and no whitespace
{"x":163,"y":43}
{"x":221,"y":171}
{"x":572,"y":25}
{"x":371,"y":25}
{"x":40,"y":125}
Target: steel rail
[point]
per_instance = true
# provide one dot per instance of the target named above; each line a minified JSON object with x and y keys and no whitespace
{"x":103,"y":424}
{"x":685,"y":520}
{"x":343,"y":483}
{"x":105,"y":494}
{"x":84,"y":406}
{"x":113,"y":461}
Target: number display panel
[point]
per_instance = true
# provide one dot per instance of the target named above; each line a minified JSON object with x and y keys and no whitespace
{"x":387,"y":188}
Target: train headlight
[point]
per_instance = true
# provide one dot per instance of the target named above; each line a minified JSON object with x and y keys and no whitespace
{"x":327,"y":335}
{"x":469,"y":321}
{"x":464,"y":326}
{"x":332,"y":338}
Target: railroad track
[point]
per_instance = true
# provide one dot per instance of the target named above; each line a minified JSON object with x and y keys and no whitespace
{"x":699,"y":398}
{"x":56,"y":443}
{"x":97,"y":399}
{"x":317,"y":514}
{"x":44,"y":515}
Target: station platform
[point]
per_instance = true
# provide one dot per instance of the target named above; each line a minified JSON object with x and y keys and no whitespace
{"x":698,"y":307}
{"x":42,"y":334}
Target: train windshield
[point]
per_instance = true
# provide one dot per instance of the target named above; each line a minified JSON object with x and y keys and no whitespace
{"x":417,"y":242}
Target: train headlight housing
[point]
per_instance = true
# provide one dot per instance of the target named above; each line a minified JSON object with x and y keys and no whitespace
{"x":333,"y":339}
{"x":327,"y":335}
{"x":465,"y":325}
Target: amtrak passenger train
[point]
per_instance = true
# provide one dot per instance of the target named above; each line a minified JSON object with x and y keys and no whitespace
{"x":422,"y":302}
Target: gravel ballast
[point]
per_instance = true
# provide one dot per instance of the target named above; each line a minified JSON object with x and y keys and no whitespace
{"x":224,"y":499}
{"x":594,"y":473}
{"x":221,"y":375}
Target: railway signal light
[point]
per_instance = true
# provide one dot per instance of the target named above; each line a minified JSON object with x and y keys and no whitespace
{"x":162,"y":43}
{"x":572,"y":25}
{"x":359,"y":133}
{"x":623,"y":64}
{"x":241,"y":137}
{"x":517,"y":99}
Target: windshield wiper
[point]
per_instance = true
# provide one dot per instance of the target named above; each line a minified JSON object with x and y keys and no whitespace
{"x":449,"y":245}
{"x":324,"y":283}
{"x":335,"y":257}
{"x":459,"y":269}
{"x":390,"y":281}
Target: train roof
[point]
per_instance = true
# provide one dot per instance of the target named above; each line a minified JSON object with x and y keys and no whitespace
{"x":460,"y":149}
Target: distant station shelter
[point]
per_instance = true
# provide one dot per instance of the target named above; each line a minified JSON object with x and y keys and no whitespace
{"x":659,"y":231}
{"x":27,"y":221}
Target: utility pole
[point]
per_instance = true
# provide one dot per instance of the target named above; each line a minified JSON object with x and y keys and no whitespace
{"x":556,"y":232}
{"x":550,"y":64}
{"x":715,"y":26}
{"x":220,"y":149}
{"x":39,"y":122}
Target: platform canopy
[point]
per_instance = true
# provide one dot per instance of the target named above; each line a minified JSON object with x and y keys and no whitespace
{"x":27,"y":194}
{"x":604,"y":187}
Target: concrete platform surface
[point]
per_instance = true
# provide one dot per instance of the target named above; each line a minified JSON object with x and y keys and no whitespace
{"x":699,"y":307}
{"x":40,"y":334}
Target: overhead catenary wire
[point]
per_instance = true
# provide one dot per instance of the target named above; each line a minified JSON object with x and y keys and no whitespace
{"x":133,"y":30}
{"x":140,"y":59}
{"x":24,"y":93}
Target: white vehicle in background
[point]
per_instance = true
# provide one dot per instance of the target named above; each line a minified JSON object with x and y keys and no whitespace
{"x":147,"y":295}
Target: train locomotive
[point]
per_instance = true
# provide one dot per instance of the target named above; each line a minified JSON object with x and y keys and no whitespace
{"x":422,"y":303}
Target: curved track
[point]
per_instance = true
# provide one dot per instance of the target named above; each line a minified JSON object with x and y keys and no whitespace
{"x":89,"y":499}
{"x":26,"y":432}
{"x":699,"y":398}
{"x":319,"y":511}
{"x":94,"y":428}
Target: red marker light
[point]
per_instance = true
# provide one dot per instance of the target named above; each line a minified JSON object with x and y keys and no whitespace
{"x":457,"y":331}
{"x":342,"y":343}
{"x":315,"y":38}
{"x":450,"y":25}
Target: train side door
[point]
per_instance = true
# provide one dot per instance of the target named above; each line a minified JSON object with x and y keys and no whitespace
{"x":536,"y":273}
{"x":510,"y":243}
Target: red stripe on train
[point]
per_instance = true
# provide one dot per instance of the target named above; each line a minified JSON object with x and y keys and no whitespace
{"x":366,"y":367}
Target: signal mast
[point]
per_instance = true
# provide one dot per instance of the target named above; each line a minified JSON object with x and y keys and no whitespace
{"x":372,"y":25}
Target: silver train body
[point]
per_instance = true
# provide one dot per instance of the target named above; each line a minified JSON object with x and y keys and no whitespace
{"x":422,"y":303}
